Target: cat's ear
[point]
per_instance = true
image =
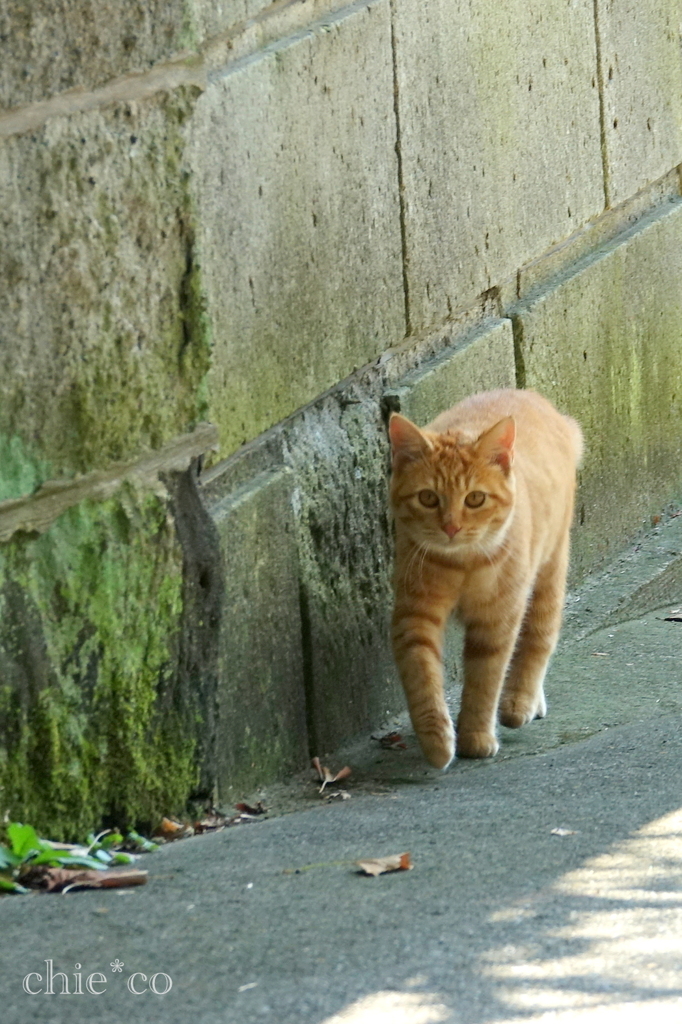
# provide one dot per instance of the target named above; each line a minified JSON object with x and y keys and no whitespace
{"x":407,"y":441}
{"x":497,"y":444}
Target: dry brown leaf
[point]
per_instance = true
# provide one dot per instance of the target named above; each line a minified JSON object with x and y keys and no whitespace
{"x":63,"y":879}
{"x":170,"y":830}
{"x":251,"y":812}
{"x":326,"y":776}
{"x":382,"y":865}
{"x":213,"y":821}
{"x":391,"y":741}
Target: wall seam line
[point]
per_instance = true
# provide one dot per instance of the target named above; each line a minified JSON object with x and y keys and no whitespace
{"x":602,"y":107}
{"x":401,"y":180}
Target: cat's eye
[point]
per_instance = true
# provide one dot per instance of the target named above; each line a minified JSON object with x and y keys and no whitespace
{"x":475,"y":499}
{"x":429,"y":499}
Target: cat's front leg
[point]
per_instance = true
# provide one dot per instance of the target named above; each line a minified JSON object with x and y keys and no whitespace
{"x":417,"y":647}
{"x":488,"y":649}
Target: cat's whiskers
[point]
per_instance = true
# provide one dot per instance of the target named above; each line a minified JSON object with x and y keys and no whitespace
{"x":491,"y":553}
{"x":487,"y":554}
{"x":423,"y":550}
{"x":418,"y":555}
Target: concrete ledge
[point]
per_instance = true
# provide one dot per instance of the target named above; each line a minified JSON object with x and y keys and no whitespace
{"x":35,"y":512}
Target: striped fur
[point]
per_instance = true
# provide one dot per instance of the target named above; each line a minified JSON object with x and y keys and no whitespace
{"x":482,"y":500}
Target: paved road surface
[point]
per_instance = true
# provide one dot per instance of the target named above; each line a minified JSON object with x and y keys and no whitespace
{"x":500,"y":920}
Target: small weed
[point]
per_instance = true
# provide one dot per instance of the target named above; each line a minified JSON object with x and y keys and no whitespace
{"x":25,"y":852}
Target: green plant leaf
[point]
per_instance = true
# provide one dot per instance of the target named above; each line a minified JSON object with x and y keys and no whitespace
{"x":8,"y":859}
{"x":24,"y":840}
{"x":81,"y":860}
{"x":140,"y":843}
{"x":8,"y":884}
{"x":55,"y":858}
{"x":113,"y":839}
{"x":123,"y":858}
{"x":49,"y":857}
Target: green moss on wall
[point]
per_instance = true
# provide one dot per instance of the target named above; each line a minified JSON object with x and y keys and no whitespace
{"x":20,"y":473}
{"x":110,"y":360}
{"x":90,"y":726}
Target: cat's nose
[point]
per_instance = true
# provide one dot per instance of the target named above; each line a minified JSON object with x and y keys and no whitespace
{"x":451,"y":529}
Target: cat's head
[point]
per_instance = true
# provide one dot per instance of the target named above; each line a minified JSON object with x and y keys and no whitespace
{"x":451,"y":492}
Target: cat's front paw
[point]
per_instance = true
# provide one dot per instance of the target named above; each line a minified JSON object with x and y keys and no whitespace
{"x":439,"y":748}
{"x":438,"y":751}
{"x":476,"y":744}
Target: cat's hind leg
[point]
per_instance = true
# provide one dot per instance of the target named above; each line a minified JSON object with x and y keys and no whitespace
{"x":523,"y":696}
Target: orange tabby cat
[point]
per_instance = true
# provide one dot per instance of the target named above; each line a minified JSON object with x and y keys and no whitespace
{"x":482,"y":500}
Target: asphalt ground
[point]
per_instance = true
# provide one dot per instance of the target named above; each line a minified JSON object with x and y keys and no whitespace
{"x":501,"y":919}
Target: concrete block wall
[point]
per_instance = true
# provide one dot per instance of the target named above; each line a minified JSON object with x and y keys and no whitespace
{"x":302,"y":265}
{"x":499,"y":139}
{"x":233,"y":236}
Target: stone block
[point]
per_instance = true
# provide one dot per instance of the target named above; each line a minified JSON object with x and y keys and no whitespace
{"x":338,"y":451}
{"x":298,"y":218}
{"x":212,"y":17}
{"x":499,"y":141}
{"x":103,"y":343}
{"x":603,"y":342}
{"x":261,"y":720}
{"x":642,"y":87}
